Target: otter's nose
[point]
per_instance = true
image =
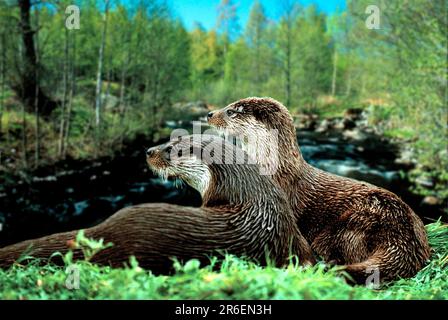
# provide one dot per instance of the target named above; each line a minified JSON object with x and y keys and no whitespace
{"x":210,"y":114}
{"x":150,"y":152}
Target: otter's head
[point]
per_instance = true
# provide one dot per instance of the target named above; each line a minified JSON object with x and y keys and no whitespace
{"x":264,"y":127}
{"x":208,"y":163}
{"x":251,"y":116}
{"x":180,"y":159}
{"x":222,"y":173}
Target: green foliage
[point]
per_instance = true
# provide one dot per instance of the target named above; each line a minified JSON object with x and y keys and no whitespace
{"x":256,"y":63}
{"x":401,"y":133}
{"x":331,"y":107}
{"x":308,"y":60}
{"x":206,"y":60}
{"x":378,"y":114}
{"x":258,"y":48}
{"x":89,"y":247}
{"x":315,"y":63}
{"x":232,"y":278}
{"x":409,"y":55}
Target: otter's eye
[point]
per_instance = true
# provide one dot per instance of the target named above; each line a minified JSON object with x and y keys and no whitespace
{"x":168,"y":152}
{"x":230,"y":112}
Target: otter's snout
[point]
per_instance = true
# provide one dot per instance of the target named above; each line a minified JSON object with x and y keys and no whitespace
{"x":151,"y":151}
{"x":216,"y":119}
{"x":155,"y":157}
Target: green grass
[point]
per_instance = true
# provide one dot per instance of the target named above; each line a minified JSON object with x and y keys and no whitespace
{"x":235,"y":279}
{"x":331,"y":111}
{"x":400,"y":133}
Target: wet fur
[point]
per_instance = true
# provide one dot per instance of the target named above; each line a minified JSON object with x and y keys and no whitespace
{"x":347,"y":222}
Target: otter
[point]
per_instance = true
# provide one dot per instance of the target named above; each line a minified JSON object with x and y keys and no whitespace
{"x":243,"y":213}
{"x":347,"y":222}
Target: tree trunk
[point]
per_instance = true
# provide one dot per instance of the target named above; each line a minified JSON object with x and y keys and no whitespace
{"x":64,"y":97}
{"x":27,"y":88}
{"x":70,"y":97}
{"x":68,"y":122}
{"x":155,"y":97}
{"x":36,"y":96}
{"x":349,"y":83}
{"x":99,"y":74}
{"x":335,"y":70}
{"x":122,"y":88}
{"x":289,"y":13}
{"x":24,"y":138}
{"x":288,"y":73}
{"x":121,"y":104}
{"x":257,"y":61}
{"x":106,"y":95}
{"x":2,"y":75}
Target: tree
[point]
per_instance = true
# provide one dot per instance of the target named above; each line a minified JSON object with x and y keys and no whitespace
{"x":72,"y":81}
{"x":100,"y":70}
{"x":409,"y":53}
{"x":227,"y":22}
{"x":2,"y":68}
{"x":29,"y":88}
{"x":315,"y":65}
{"x":65,"y":84}
{"x":256,"y":39}
{"x":236,"y":72}
{"x":36,"y":95}
{"x":168,"y":66}
{"x":121,"y":38}
{"x":2,"y":77}
{"x":285,"y":44}
{"x":206,"y":60}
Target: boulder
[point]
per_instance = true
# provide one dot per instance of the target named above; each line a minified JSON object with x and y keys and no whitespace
{"x":406,"y":157}
{"x":344,"y":124}
{"x":304,"y":121}
{"x":355,"y":134}
{"x":425,"y":181}
{"x":353,"y":114}
{"x":431,"y":201}
{"x":324,"y":125}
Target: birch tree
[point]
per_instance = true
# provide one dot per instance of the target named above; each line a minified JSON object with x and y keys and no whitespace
{"x":100,"y":71}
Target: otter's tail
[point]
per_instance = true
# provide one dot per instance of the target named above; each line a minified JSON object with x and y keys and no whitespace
{"x":42,"y":248}
{"x":388,"y":263}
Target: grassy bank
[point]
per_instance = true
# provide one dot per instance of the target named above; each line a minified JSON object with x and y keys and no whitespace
{"x":236,"y":279}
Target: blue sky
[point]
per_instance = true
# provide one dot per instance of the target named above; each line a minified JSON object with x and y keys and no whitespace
{"x":204,"y":11}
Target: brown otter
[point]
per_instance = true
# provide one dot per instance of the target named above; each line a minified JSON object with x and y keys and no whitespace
{"x":243,"y":213}
{"x":347,"y":222}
